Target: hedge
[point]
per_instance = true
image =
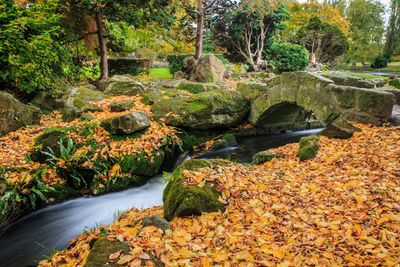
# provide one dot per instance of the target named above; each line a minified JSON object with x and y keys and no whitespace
{"x":132,"y":66}
{"x":176,"y":61}
{"x":288,"y":57}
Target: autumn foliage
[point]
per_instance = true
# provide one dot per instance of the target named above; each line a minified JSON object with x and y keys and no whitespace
{"x":340,"y":208}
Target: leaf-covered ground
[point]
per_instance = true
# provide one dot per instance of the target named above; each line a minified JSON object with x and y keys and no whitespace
{"x":16,"y":147}
{"x":341,"y":208}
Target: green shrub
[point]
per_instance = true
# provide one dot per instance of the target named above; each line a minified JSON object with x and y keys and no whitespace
{"x":395,"y":83}
{"x":129,"y":66}
{"x":33,"y":56}
{"x":176,"y":62}
{"x":380,"y":62}
{"x":288,"y":57}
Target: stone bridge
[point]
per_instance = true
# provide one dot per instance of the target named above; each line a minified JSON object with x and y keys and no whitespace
{"x":295,"y":96}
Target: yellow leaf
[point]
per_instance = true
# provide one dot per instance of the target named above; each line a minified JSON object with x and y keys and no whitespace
{"x":115,"y":255}
{"x":244,"y":255}
{"x":125,"y":259}
{"x":277,"y":253}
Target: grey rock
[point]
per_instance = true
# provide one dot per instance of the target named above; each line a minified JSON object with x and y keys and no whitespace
{"x":14,"y":114}
{"x":127,"y":123}
{"x":121,"y":106}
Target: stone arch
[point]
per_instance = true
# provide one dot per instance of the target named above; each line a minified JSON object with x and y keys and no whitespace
{"x":331,"y":104}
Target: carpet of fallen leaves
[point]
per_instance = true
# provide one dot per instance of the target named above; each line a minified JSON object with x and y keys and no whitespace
{"x":341,"y":208}
{"x":16,"y":146}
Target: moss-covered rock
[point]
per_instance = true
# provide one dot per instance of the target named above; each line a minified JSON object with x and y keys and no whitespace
{"x":127,"y":123}
{"x":156,"y":221}
{"x":14,"y":114}
{"x":207,"y":110}
{"x":78,"y":100}
{"x":311,"y":140}
{"x":101,"y":251}
{"x":307,"y":152}
{"x":294,"y":97}
{"x":196,"y":88}
{"x":226,"y":141}
{"x":121,"y":106}
{"x":143,"y":166}
{"x":349,"y":80}
{"x":309,"y":146}
{"x":99,"y":187}
{"x":185,"y":200}
{"x":149,"y":97}
{"x":264,"y":156}
{"x":122,"y":85}
{"x":394,"y":91}
{"x":395,"y":83}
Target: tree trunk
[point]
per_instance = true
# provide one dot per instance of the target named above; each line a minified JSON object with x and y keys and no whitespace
{"x":200,"y":26}
{"x":363,"y":64}
{"x":103,"y":48}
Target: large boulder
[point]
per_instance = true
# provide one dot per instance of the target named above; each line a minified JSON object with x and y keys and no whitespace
{"x":14,"y":114}
{"x":209,"y":69}
{"x":207,"y":110}
{"x":122,"y":85}
{"x":394,"y":91}
{"x":127,"y":123}
{"x":181,"y":199}
{"x":78,"y":100}
{"x":349,"y":80}
{"x":294,"y":96}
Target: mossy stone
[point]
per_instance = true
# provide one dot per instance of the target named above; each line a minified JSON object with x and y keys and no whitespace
{"x":185,"y":200}
{"x":309,"y":140}
{"x":395,"y":83}
{"x":227,"y":141}
{"x":101,"y":251}
{"x":307,"y":152}
{"x":263,"y":156}
{"x":207,"y":110}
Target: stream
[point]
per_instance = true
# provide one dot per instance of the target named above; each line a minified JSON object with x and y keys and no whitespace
{"x":55,"y":226}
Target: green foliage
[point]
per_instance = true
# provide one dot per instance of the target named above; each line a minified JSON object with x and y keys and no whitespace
{"x":160,"y":73}
{"x":129,"y":66}
{"x":248,"y":31}
{"x":23,"y":195}
{"x":176,"y":62}
{"x":288,"y":57}
{"x":325,"y":40}
{"x":395,"y":83}
{"x":32,"y":55}
{"x":367,"y":20}
{"x":380,"y":61}
{"x":392,"y":45}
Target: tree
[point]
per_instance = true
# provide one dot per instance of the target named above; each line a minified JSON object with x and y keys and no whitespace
{"x":366,"y":30}
{"x":248,"y":31}
{"x":32,"y":55}
{"x":205,"y":8}
{"x":301,"y":14}
{"x":393,"y":31}
{"x":134,"y":12}
{"x":324,"y":40}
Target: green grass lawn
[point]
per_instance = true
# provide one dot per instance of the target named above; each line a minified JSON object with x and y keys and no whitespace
{"x":160,"y":73}
{"x":364,"y":75}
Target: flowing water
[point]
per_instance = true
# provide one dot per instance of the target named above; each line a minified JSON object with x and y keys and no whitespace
{"x":55,"y":226}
